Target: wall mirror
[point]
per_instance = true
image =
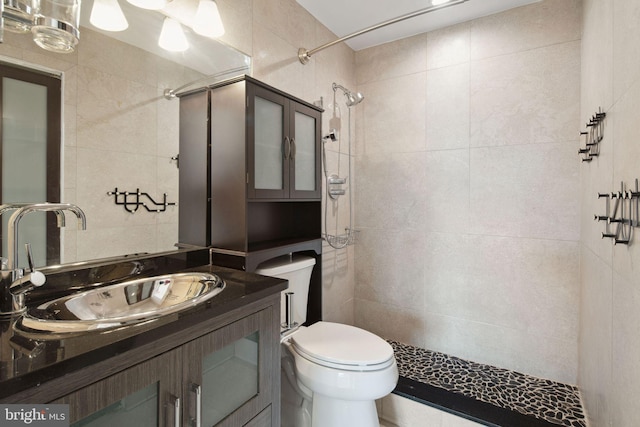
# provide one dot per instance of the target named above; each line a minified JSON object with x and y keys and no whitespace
{"x":119,"y":131}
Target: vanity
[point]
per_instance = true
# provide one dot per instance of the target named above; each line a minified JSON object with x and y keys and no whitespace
{"x":213,"y":363}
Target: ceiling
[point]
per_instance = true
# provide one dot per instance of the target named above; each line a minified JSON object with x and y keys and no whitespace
{"x":345,"y":17}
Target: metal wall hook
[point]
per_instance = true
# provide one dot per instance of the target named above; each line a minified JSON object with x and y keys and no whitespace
{"x":625,"y":214}
{"x":593,"y":136}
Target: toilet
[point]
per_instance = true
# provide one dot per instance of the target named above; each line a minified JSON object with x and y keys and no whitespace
{"x":332,"y":373}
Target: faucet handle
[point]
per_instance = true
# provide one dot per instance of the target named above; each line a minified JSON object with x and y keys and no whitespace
{"x":35,"y":277}
{"x":27,"y":248}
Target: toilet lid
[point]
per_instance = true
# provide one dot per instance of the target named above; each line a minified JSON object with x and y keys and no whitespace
{"x":343,"y":347}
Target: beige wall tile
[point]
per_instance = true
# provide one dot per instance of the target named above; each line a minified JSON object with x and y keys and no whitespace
{"x":626,"y":49}
{"x":379,"y":279}
{"x":399,"y":323}
{"x":115,"y":113}
{"x":394,"y":114}
{"x":449,"y":46}
{"x":526,"y":97}
{"x":400,"y":58}
{"x":625,"y":361}
{"x":594,"y":373}
{"x":596,"y":57}
{"x":445,"y":192}
{"x":337,"y":284}
{"x":528,"y":27}
{"x":525,"y":191}
{"x":448,"y":107}
{"x":374,"y":183}
{"x":95,"y":243}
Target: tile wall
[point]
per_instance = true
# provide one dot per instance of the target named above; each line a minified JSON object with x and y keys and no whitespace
{"x":609,"y":373}
{"x":468,"y":189}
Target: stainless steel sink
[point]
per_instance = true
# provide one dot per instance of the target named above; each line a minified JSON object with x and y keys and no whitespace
{"x":123,"y":303}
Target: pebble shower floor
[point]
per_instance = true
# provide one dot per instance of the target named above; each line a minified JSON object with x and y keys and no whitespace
{"x":553,"y":402}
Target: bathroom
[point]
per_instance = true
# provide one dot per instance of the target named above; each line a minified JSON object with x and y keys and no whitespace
{"x":474,"y":211}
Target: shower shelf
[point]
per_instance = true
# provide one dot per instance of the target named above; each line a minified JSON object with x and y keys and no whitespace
{"x":335,"y":180}
{"x":349,"y":238}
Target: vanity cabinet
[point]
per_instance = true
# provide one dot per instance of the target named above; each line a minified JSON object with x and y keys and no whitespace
{"x":223,"y":378}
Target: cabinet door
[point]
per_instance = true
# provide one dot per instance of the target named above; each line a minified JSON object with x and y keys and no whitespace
{"x":269,"y":144}
{"x":227,"y":380}
{"x":304,"y":163}
{"x":144,"y":395}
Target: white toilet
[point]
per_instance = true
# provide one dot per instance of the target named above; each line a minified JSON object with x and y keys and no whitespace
{"x":331,"y":373}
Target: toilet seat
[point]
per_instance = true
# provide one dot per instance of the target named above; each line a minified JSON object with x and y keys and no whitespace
{"x":344,"y":347}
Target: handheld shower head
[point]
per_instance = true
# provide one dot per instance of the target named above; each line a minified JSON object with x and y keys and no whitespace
{"x":352,"y":98}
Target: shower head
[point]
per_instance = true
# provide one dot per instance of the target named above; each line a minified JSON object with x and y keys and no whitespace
{"x":352,"y":98}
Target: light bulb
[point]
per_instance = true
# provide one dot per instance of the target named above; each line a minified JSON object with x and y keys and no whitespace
{"x":207,"y":21}
{"x":107,"y":15}
{"x":172,"y":37}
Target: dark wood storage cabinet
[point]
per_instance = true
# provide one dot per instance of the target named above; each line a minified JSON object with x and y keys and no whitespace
{"x":224,"y":376}
{"x":250,"y":176}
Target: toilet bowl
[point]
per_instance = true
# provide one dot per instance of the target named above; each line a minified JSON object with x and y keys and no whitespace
{"x":331,"y":373}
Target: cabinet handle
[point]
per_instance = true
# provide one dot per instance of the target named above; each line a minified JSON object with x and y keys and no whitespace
{"x":197,"y":390}
{"x":286,"y":150}
{"x":293,"y":148}
{"x":176,"y":410}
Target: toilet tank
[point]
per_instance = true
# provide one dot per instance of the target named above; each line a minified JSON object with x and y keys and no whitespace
{"x":297,"y":270}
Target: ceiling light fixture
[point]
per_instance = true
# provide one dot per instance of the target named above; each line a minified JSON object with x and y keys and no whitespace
{"x":18,"y":16}
{"x":107,"y":15}
{"x":56,"y":25}
{"x":207,"y":21}
{"x":172,"y":36}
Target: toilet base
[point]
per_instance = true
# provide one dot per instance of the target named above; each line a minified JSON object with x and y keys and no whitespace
{"x":328,"y":412}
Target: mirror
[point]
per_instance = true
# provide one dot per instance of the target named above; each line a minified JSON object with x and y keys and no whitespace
{"x":119,"y":132}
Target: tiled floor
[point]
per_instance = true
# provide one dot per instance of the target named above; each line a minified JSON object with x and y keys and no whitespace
{"x":548,"y":402}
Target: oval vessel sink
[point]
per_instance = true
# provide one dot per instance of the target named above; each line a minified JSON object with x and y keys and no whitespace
{"x":123,"y":303}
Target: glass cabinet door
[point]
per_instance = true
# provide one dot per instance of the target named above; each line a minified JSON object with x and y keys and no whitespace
{"x":225,"y":376}
{"x":141,"y":396}
{"x":270,"y":145}
{"x":305,"y":160}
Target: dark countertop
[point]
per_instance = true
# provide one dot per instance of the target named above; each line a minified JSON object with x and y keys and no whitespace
{"x":30,"y":359}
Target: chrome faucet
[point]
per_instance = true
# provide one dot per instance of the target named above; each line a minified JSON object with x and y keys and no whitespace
{"x":13,"y":283}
